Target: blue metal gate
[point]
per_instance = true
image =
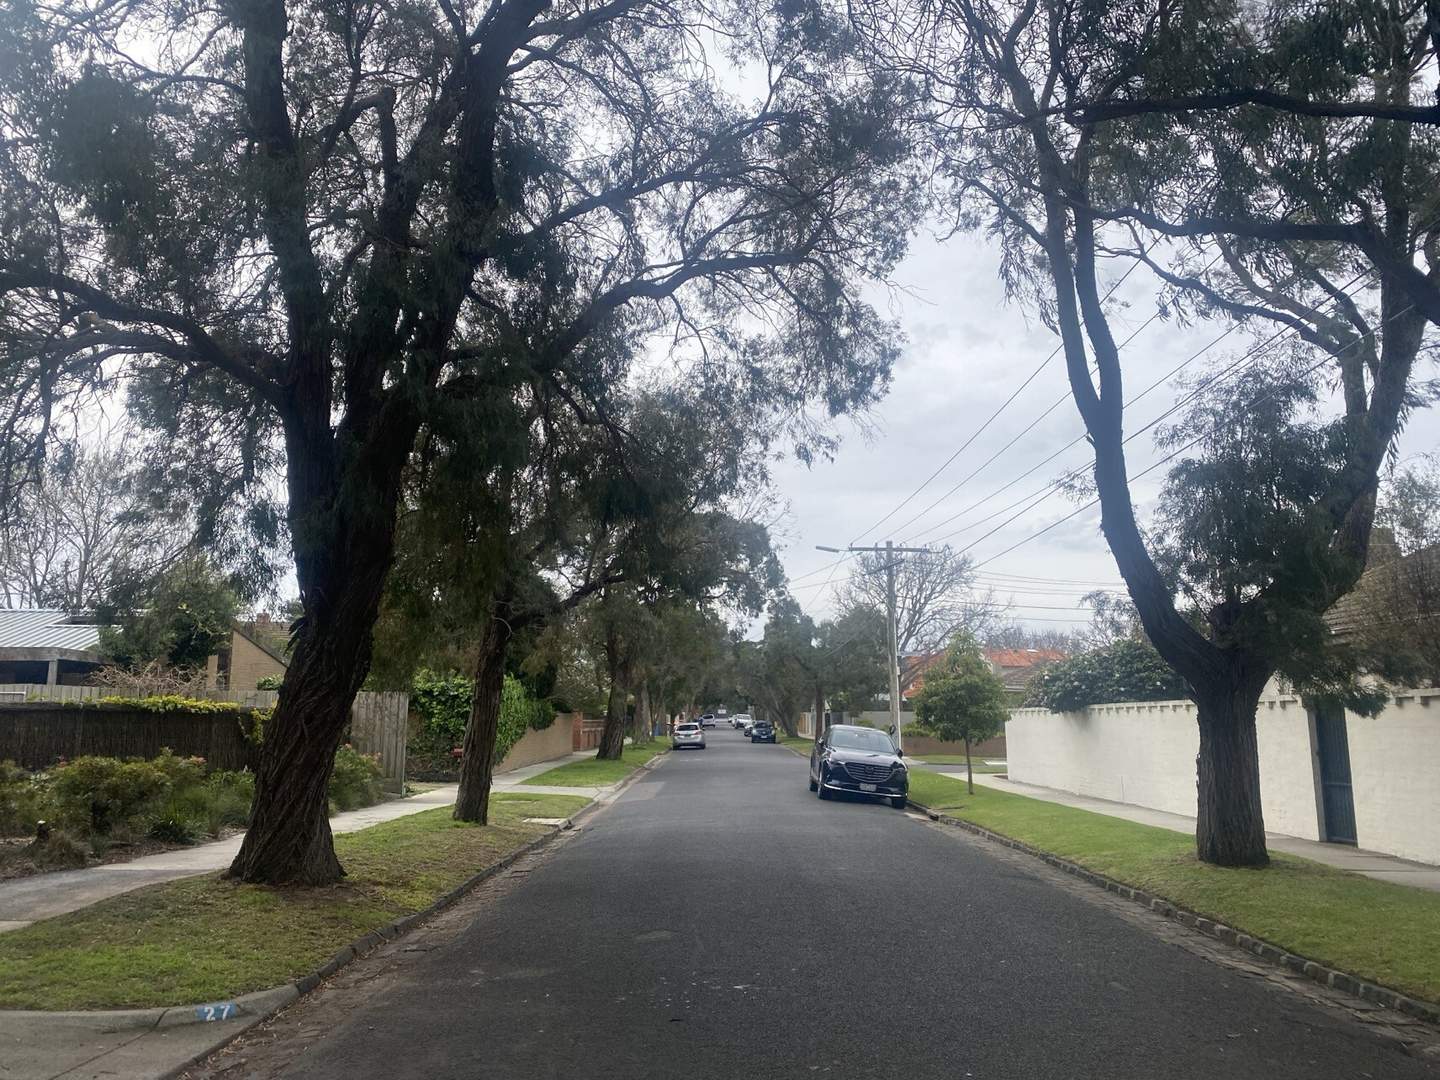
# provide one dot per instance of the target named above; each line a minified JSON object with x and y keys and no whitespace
{"x":1336,"y":794}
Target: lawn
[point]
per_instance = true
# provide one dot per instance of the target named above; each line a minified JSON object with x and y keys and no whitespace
{"x":205,"y":939}
{"x":801,"y":744}
{"x":596,"y":773}
{"x":1386,"y":933}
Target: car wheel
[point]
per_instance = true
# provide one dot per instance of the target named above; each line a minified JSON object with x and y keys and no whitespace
{"x":898,"y":802}
{"x":821,"y":790}
{"x":813,"y":785}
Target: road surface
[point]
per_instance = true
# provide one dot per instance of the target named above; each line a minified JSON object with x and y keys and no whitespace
{"x":720,"y":921}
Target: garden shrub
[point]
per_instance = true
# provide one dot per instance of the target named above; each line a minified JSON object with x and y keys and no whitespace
{"x":355,"y":781}
{"x":183,"y":772}
{"x":21,"y":800}
{"x":93,"y":795}
{"x":229,"y":797}
{"x":1128,"y":670}
{"x":269,"y":682}
{"x":175,"y":828}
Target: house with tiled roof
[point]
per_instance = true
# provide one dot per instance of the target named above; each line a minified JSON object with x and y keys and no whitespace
{"x":1014,"y":667}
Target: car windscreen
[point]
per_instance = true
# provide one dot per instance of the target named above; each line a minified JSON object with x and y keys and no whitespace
{"x":875,"y":741}
{"x":687,"y":727}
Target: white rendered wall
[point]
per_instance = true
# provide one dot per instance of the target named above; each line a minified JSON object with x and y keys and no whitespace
{"x":1144,"y":753}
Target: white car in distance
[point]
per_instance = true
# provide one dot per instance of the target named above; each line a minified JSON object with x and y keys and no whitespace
{"x":739,"y":720}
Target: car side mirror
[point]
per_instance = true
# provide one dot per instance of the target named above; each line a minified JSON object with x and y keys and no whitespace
{"x":899,"y":752}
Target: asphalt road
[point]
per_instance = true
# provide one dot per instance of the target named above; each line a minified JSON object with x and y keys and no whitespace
{"x":720,"y":921}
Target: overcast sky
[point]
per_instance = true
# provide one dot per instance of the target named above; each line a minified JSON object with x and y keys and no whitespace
{"x":967,"y":350}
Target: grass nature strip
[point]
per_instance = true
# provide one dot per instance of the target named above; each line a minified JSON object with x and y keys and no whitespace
{"x":597,"y":773}
{"x":1382,"y":932}
{"x":207,"y":939}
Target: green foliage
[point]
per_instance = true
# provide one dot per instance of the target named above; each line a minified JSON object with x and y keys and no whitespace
{"x":175,"y":828}
{"x":269,"y":682}
{"x":1128,"y":670}
{"x":962,"y":700}
{"x":170,"y":703}
{"x":442,"y":702}
{"x":519,"y":712}
{"x":355,"y":781}
{"x":168,"y":797}
{"x":179,"y":619}
{"x":20,"y":801}
{"x":93,"y":795}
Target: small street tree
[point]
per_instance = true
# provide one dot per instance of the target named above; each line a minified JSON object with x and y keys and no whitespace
{"x":962,"y":700}
{"x":935,"y":598}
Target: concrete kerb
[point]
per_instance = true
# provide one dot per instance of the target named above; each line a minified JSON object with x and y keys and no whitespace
{"x":256,"y":1007}
{"x":286,"y":995}
{"x":1343,"y":981}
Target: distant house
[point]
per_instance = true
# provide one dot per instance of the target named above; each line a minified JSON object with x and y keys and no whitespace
{"x":47,"y":647}
{"x":254,"y":653}
{"x":1402,"y":587}
{"x":1015,"y":667}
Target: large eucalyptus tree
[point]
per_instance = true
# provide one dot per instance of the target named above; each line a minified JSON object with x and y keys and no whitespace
{"x":297,"y":231}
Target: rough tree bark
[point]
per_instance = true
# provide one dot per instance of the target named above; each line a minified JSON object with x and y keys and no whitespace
{"x":1230,"y":824}
{"x":612,"y":739}
{"x":342,"y":574}
{"x":642,"y":713}
{"x":477,"y":766}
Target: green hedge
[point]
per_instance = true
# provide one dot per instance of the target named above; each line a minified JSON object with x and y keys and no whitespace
{"x":1128,"y":670}
{"x":442,"y":702}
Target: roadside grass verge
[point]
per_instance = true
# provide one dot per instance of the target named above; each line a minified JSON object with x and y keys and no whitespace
{"x":1385,"y":933}
{"x":596,"y":773}
{"x":206,"y":939}
{"x":801,"y":744}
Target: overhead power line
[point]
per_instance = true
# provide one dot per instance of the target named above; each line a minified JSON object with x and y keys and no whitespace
{"x":1164,"y":460}
{"x":991,"y":418}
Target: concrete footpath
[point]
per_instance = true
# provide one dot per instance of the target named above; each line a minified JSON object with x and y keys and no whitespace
{"x":1371,"y":864}
{"x":43,"y":896}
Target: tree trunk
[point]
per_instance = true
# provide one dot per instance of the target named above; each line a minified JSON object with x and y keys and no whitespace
{"x":289,"y":841}
{"x":969,"y":771}
{"x":612,"y":739}
{"x":643,"y":719}
{"x":1230,"y":827}
{"x":477,"y":766}
{"x":819,"y":724}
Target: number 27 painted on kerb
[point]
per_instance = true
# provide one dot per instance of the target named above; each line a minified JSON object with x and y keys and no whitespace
{"x":222,"y":1010}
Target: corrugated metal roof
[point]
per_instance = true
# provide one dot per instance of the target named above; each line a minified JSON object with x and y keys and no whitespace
{"x":41,"y":628}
